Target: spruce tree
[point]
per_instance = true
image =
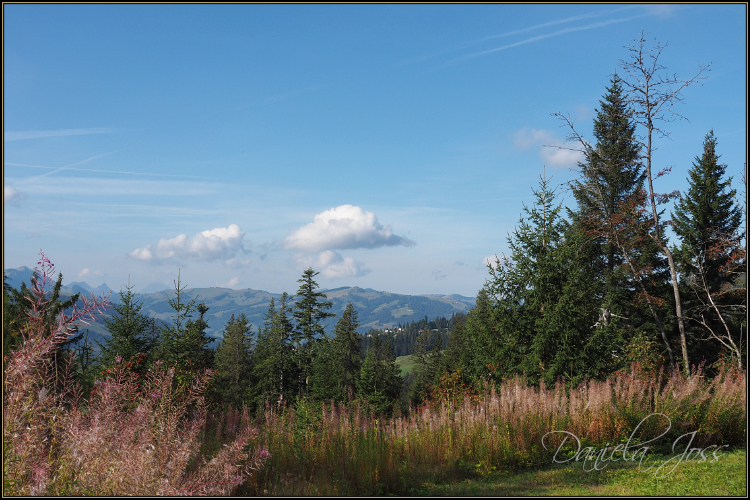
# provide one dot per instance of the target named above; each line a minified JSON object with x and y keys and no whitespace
{"x":273,"y":360}
{"x":128,"y":329}
{"x":233,"y":361}
{"x":380,"y":380}
{"x":543,"y":312}
{"x":184,"y":343}
{"x":628,"y":272}
{"x":309,"y":311}
{"x":708,"y":221}
{"x":706,"y":217}
{"x":611,"y":173}
{"x":346,"y":344}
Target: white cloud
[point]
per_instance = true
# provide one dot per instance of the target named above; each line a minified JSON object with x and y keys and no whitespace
{"x":233,"y":282}
{"x":219,"y":243}
{"x":343,"y":227}
{"x":549,"y":147}
{"x":9,"y":194}
{"x":333,"y":265}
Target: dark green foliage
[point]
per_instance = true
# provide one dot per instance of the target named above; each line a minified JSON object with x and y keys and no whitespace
{"x":622,"y":260}
{"x":706,"y":216}
{"x":346,"y":345}
{"x":427,"y":358}
{"x":184,"y":343}
{"x":275,"y":370}
{"x":536,"y":315}
{"x":309,"y":311}
{"x":128,"y":331}
{"x":233,"y":362}
{"x":711,"y":257}
{"x":327,"y":372}
{"x":379,"y":380}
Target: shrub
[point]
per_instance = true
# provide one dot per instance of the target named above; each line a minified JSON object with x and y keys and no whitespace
{"x":137,"y":436}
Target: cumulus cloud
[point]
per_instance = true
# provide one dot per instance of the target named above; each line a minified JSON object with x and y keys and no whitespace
{"x":219,"y":243}
{"x":10,"y":194}
{"x":233,"y":282}
{"x":549,"y":147}
{"x":334,"y":265}
{"x":343,"y":227}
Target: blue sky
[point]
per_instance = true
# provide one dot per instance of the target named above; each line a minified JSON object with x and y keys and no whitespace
{"x":386,"y":146}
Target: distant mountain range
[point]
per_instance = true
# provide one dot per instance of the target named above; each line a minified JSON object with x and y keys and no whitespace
{"x":375,"y":309}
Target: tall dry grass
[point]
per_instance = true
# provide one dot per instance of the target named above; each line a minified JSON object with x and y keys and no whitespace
{"x":337,"y":449}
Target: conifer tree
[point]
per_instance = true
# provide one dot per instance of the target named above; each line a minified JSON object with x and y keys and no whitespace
{"x":184,"y":343}
{"x":309,"y":311}
{"x":233,"y":357}
{"x":707,"y":221}
{"x":706,"y":217}
{"x":543,"y":311}
{"x":273,"y":361}
{"x":380,"y":380}
{"x":611,"y":173}
{"x":128,"y":329}
{"x":628,"y":270}
{"x":347,"y":343}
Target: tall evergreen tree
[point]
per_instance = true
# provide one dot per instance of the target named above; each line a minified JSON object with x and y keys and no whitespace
{"x":309,"y":311}
{"x":380,"y":380}
{"x":184,"y":343}
{"x":708,"y":221}
{"x":128,"y":330}
{"x":706,"y":217}
{"x":611,"y":173}
{"x":544,"y":314}
{"x":233,"y":358}
{"x":628,"y":271}
{"x":273,"y":359}
{"x":347,"y":343}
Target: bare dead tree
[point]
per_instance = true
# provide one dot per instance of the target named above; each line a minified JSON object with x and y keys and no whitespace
{"x":652,"y":95}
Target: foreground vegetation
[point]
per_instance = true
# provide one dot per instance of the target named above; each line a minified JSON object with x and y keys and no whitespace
{"x":154,"y":434}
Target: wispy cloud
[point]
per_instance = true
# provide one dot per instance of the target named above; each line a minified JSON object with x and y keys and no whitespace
{"x":554,"y":22}
{"x":66,"y":167}
{"x":103,"y":171}
{"x":438,"y":275}
{"x":545,"y":36}
{"x":112,"y":187}
{"x":38,"y":134}
{"x":557,"y":21}
{"x":552,"y":150}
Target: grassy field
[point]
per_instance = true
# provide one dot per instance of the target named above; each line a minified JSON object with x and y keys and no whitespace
{"x":725,"y":477}
{"x":406,"y":364}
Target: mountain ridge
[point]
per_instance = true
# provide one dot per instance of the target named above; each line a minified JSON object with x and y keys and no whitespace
{"x":375,"y":309}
